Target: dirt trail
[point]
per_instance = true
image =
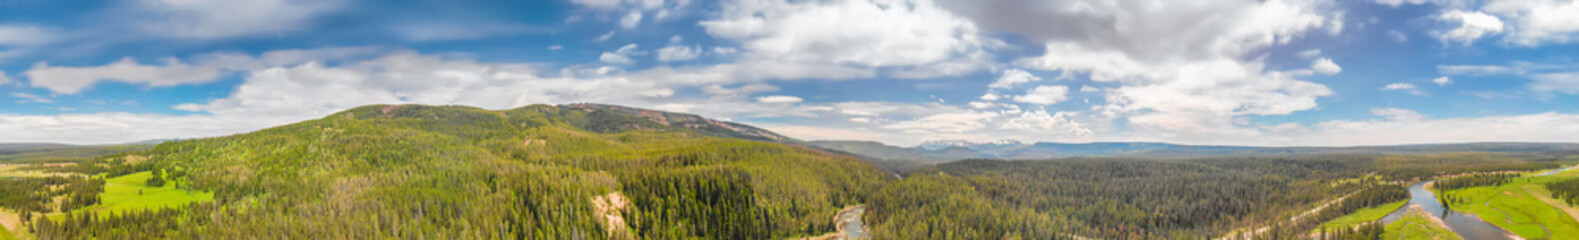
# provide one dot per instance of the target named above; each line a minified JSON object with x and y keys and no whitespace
{"x":1258,"y":231}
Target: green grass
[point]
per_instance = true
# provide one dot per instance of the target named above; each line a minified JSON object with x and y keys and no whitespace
{"x":5,"y":235}
{"x":131,"y":192}
{"x":1416,"y":225}
{"x":1520,"y":211}
{"x":1362,"y":216}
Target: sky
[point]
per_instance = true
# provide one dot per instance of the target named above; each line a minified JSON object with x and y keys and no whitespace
{"x":1224,"y":72}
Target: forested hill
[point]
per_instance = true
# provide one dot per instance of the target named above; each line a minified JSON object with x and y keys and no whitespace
{"x":580,"y":171}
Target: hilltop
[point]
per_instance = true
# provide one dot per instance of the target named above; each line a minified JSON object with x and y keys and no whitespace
{"x":539,"y":172}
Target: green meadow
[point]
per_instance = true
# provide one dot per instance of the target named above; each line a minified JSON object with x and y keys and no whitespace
{"x":131,"y":192}
{"x":1363,"y":216}
{"x":1518,"y":208}
{"x":1416,"y":225}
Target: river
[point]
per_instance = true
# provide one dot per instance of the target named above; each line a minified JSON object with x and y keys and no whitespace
{"x":850,"y":223}
{"x":1466,"y":225}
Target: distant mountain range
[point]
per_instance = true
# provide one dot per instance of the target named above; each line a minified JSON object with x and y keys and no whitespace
{"x":952,"y":150}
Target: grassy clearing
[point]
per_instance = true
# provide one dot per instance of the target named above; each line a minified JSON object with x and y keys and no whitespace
{"x":5,"y":235}
{"x":1362,"y":216}
{"x":10,"y":171}
{"x":131,"y":192}
{"x":1518,"y":208}
{"x":1416,"y":225}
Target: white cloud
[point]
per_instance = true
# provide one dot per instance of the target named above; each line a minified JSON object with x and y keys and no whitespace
{"x":1181,"y":68}
{"x":1442,"y":81}
{"x":1474,"y":70}
{"x":1395,"y":3}
{"x":861,"y":120}
{"x":1397,"y":114}
{"x":1471,"y":26}
{"x":1089,"y":89}
{"x":1397,"y":36}
{"x":604,"y":37}
{"x":1325,"y":66}
{"x":1399,"y":86}
{"x":1313,"y":53}
{"x":914,"y":38}
{"x":598,"y":3}
{"x":556,"y":47}
{"x":1537,"y":22}
{"x":1404,"y":87}
{"x":631,"y":20}
{"x":1012,"y":77}
{"x":1044,"y":95}
{"x":70,"y":80}
{"x":621,"y":55}
{"x":957,"y":122}
{"x":23,"y":35}
{"x":989,"y":97}
{"x":208,"y":68}
{"x":1412,"y":129}
{"x":213,"y":19}
{"x":1567,"y":82}
{"x":5,"y":79}
{"x":779,"y":99}
{"x":1040,"y":121}
{"x":26,"y":98}
{"x":678,"y":53}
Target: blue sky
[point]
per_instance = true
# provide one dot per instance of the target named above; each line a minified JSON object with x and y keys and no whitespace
{"x":1278,"y":73}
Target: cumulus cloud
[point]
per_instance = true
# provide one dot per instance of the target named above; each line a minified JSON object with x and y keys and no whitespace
{"x":945,"y":123}
{"x":631,"y":20}
{"x":1044,"y":95}
{"x":779,"y":99}
{"x":1325,"y":66}
{"x":208,"y":68}
{"x":678,"y":53}
{"x":1040,"y":121}
{"x":1471,"y":26}
{"x":1442,"y":81}
{"x":912,"y":38}
{"x":1179,"y":67}
{"x":621,"y":55}
{"x":1012,"y":77}
{"x":1537,"y":22}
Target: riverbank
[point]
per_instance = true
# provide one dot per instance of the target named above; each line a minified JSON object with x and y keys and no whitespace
{"x":1518,"y":206}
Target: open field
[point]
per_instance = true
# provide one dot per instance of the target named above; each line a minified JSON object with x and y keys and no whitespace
{"x":1417,"y":225}
{"x":1518,"y":207}
{"x":11,"y":171}
{"x":131,"y":192}
{"x":1363,"y":216}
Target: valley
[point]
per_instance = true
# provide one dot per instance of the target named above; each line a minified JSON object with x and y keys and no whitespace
{"x":608,"y":172}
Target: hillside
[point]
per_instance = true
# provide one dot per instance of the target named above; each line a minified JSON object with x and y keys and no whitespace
{"x":579,"y":171}
{"x":58,"y":152}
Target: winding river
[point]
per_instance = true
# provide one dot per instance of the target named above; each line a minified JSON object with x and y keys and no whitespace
{"x":1466,"y":225}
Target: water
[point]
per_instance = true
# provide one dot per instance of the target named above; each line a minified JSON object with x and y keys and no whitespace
{"x":1466,"y":225}
{"x":850,"y":224}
